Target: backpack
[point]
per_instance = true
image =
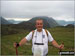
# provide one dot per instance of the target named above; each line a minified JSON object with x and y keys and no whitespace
{"x":45,"y":31}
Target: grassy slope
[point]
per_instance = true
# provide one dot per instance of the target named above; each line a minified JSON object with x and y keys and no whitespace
{"x":65,"y":35}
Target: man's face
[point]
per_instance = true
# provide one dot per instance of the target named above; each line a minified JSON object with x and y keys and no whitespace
{"x":39,"y":24}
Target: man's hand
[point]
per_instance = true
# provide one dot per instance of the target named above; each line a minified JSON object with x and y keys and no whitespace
{"x":16,"y":45}
{"x":61,"y":46}
{"x":55,"y":44}
{"x":23,"y":41}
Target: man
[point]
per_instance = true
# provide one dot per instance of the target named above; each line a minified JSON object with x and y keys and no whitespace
{"x":39,"y":40}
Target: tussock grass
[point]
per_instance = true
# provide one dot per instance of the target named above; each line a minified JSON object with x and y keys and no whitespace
{"x":60,"y":34}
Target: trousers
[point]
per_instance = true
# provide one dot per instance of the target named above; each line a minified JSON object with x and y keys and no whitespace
{"x":40,"y":50}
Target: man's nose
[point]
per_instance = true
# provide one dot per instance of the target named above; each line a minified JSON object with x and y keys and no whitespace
{"x":39,"y":25}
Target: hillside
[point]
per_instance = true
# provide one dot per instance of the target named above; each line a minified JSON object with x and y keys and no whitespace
{"x":4,"y":21}
{"x":60,"y":34}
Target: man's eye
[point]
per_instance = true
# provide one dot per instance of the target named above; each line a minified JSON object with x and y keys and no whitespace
{"x":37,"y":24}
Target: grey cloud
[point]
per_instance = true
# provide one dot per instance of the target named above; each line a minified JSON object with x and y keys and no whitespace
{"x":37,"y":8}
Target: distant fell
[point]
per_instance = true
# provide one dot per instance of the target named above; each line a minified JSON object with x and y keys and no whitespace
{"x":48,"y":22}
{"x":4,"y":21}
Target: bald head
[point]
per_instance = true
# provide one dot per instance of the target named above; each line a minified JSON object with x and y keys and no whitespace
{"x":39,"y":20}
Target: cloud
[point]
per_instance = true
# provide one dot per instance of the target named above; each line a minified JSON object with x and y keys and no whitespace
{"x":29,"y":9}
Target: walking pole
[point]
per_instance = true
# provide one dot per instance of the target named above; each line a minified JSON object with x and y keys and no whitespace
{"x":16,"y":52}
{"x":61,"y":49}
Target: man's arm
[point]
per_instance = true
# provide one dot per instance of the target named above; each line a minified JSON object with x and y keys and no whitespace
{"x":55,"y":44}
{"x":23,"y":41}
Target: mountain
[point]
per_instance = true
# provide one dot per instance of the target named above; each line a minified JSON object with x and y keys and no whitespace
{"x":64,"y":23}
{"x":14,"y":22}
{"x":48,"y":22}
{"x":61,"y":22}
{"x":70,"y":22}
{"x":70,"y":25}
{"x":4,"y":21}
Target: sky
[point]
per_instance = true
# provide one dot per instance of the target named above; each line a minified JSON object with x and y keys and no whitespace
{"x":25,"y":10}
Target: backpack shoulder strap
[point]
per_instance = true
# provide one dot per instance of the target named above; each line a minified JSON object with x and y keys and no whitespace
{"x":46,"y":32}
{"x":32,"y":33}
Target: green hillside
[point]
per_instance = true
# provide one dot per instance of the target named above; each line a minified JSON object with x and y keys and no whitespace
{"x":60,"y":34}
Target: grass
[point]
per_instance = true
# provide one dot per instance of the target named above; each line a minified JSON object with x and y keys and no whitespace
{"x":63,"y":34}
